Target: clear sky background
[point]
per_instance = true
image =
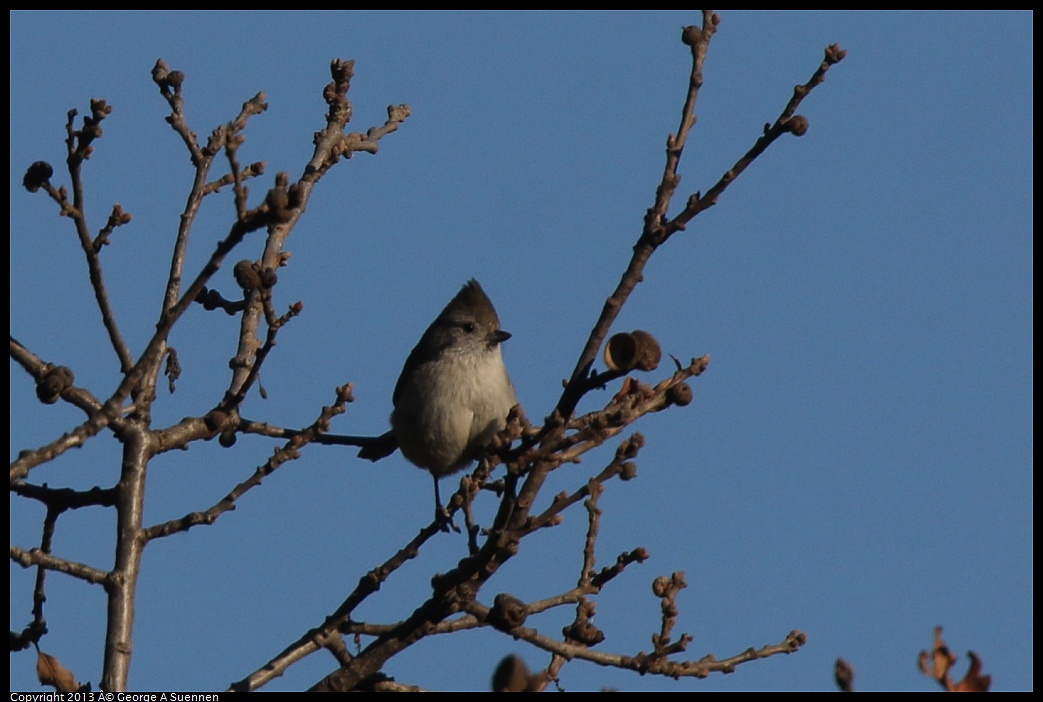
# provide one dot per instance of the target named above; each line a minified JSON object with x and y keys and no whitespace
{"x":857,"y":463}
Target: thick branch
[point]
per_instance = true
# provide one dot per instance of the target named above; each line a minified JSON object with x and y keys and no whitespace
{"x":130,"y":508}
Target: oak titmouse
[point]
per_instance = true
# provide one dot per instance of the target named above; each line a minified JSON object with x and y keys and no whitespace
{"x":454,"y":392}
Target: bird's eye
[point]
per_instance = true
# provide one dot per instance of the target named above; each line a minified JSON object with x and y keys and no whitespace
{"x":469,"y":327}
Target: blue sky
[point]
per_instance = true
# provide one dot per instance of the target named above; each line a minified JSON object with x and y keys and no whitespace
{"x":857,"y":463}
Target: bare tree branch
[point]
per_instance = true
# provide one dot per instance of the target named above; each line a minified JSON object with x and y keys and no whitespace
{"x":528,"y":454}
{"x":77,"y":570}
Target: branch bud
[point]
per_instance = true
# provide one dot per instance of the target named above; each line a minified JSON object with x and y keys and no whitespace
{"x":834,"y":54}
{"x":268,"y":277}
{"x":797,"y":125}
{"x":508,"y":612}
{"x":585,"y":633}
{"x":247,"y":275}
{"x":227,"y":438}
{"x":160,"y":72}
{"x":680,"y":394}
{"x":51,"y":386}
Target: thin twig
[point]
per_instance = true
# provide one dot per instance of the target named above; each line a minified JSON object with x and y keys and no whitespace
{"x":288,"y":452}
{"x":36,"y":557}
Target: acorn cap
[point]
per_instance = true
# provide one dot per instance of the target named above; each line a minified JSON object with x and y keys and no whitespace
{"x":629,"y":350}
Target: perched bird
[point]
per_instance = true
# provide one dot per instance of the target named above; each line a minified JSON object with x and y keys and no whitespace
{"x":453,"y":394}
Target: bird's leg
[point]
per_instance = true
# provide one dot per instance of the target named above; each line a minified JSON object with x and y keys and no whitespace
{"x":442,"y":516}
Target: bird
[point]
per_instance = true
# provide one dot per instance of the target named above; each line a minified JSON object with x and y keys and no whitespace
{"x":454,"y":392}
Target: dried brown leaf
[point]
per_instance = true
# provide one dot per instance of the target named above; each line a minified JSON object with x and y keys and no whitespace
{"x":50,"y":671}
{"x":939,"y":661}
{"x":844,"y":673}
{"x":974,"y":681}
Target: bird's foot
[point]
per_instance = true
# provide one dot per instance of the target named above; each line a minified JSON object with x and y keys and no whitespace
{"x":445,"y":520}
